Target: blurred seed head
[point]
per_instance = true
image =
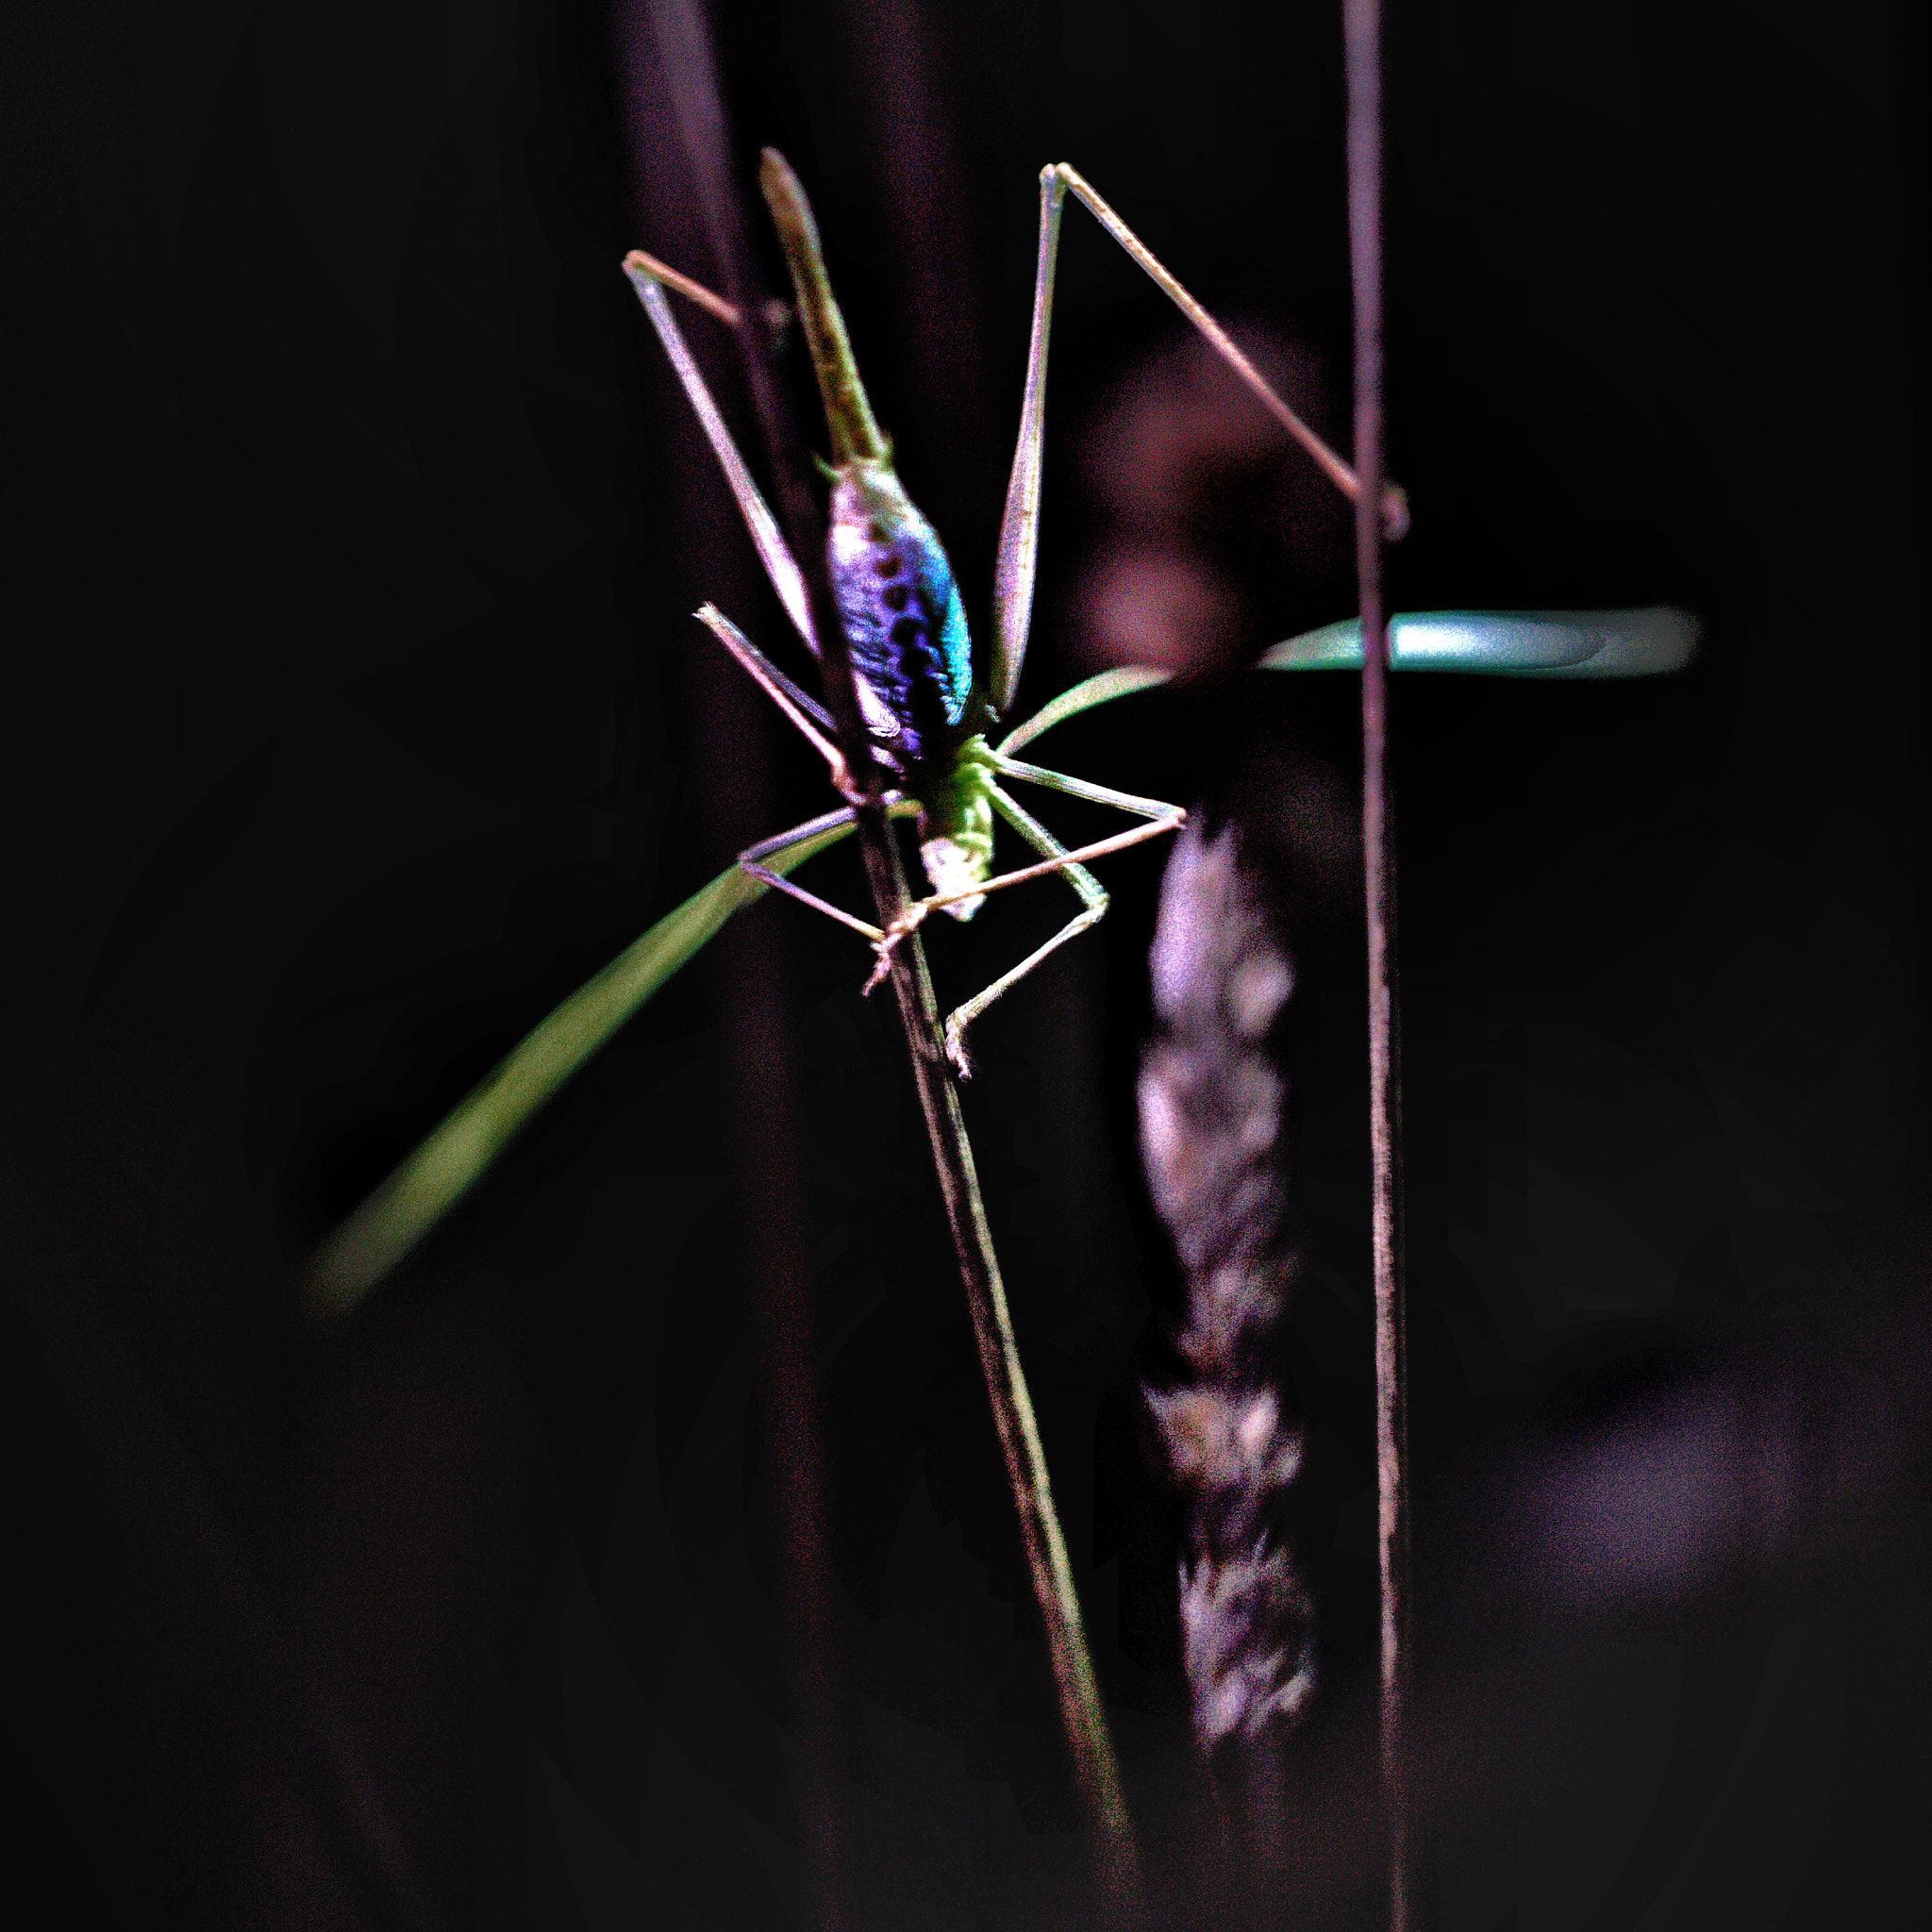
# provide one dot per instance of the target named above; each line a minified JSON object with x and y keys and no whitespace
{"x":1213,"y":1101}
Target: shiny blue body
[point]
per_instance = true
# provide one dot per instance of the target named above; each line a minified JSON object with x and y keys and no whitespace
{"x":902,"y":616}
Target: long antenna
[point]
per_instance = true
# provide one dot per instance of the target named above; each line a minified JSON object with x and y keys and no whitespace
{"x":1361,"y":28}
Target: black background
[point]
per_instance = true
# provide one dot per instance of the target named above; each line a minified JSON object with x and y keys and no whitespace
{"x":353,"y":717}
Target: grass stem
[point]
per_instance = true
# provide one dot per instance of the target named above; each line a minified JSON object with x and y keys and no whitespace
{"x":1361,"y":37}
{"x":1096,"y":1766}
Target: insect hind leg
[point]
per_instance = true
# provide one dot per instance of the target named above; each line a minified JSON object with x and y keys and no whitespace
{"x":1161,"y":819}
{"x":1094,"y":904}
{"x":1394,"y":504}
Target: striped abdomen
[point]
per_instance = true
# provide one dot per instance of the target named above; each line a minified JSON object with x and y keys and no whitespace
{"x":901,"y":613}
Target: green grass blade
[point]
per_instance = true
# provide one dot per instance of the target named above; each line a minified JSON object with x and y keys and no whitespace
{"x":457,"y":1153}
{"x":432,"y":1179}
{"x":1083,"y":697}
{"x":1648,"y":643}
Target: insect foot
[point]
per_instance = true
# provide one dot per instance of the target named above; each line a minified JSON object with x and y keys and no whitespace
{"x":907,"y":923}
{"x":955,"y":1046}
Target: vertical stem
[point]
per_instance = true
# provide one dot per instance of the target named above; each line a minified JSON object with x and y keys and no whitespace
{"x":1096,"y":1770}
{"x":1361,"y":30}
{"x":687,"y":53}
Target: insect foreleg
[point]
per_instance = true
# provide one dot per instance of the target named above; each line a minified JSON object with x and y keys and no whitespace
{"x":774,"y":552}
{"x":1093,"y":896}
{"x":752,"y":859}
{"x":803,"y":710}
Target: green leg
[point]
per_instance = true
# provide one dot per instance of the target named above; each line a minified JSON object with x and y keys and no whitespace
{"x":1162,"y":817}
{"x":774,"y":552}
{"x":1093,"y":897}
{"x":1019,"y":541}
{"x":1101,"y":689}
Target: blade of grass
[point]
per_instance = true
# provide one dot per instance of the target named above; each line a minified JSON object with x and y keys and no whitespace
{"x":435,"y":1177}
{"x":1649,"y":642}
{"x":431,"y":1180}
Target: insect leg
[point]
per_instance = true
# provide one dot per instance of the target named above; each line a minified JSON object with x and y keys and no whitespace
{"x":1102,"y":689}
{"x":1019,"y":541}
{"x":1394,"y":502}
{"x":1093,"y":897}
{"x":752,"y":859}
{"x":1019,"y":545}
{"x":726,"y":312}
{"x":804,"y":711}
{"x":1162,"y":817}
{"x":774,"y":552}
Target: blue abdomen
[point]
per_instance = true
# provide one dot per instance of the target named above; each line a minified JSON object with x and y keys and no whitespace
{"x":901,"y":613}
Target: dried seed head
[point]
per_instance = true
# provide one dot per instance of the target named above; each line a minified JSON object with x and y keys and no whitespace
{"x":1213,"y":1099}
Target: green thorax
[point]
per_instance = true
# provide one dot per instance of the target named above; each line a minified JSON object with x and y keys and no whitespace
{"x":955,"y":822}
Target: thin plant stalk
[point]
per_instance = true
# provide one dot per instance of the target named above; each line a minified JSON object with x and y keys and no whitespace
{"x":1095,"y":1767}
{"x":1361,"y":35}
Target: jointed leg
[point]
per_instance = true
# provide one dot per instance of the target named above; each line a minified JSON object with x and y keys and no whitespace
{"x":1019,"y":545}
{"x":647,"y":277}
{"x":1394,"y":503}
{"x":1160,"y":818}
{"x":1019,"y":541}
{"x":801,"y":843}
{"x":1093,"y":902}
{"x":1163,"y":818}
{"x":804,"y":711}
{"x":726,"y":312}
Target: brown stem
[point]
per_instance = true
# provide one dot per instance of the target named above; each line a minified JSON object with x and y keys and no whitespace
{"x":1095,"y":1767}
{"x":1081,"y":1712}
{"x":1096,"y":1770}
{"x":1361,"y":30}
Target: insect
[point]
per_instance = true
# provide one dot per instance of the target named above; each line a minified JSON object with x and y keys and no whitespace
{"x":929,"y":702}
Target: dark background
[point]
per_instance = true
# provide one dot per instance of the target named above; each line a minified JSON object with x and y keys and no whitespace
{"x":354,"y":718}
